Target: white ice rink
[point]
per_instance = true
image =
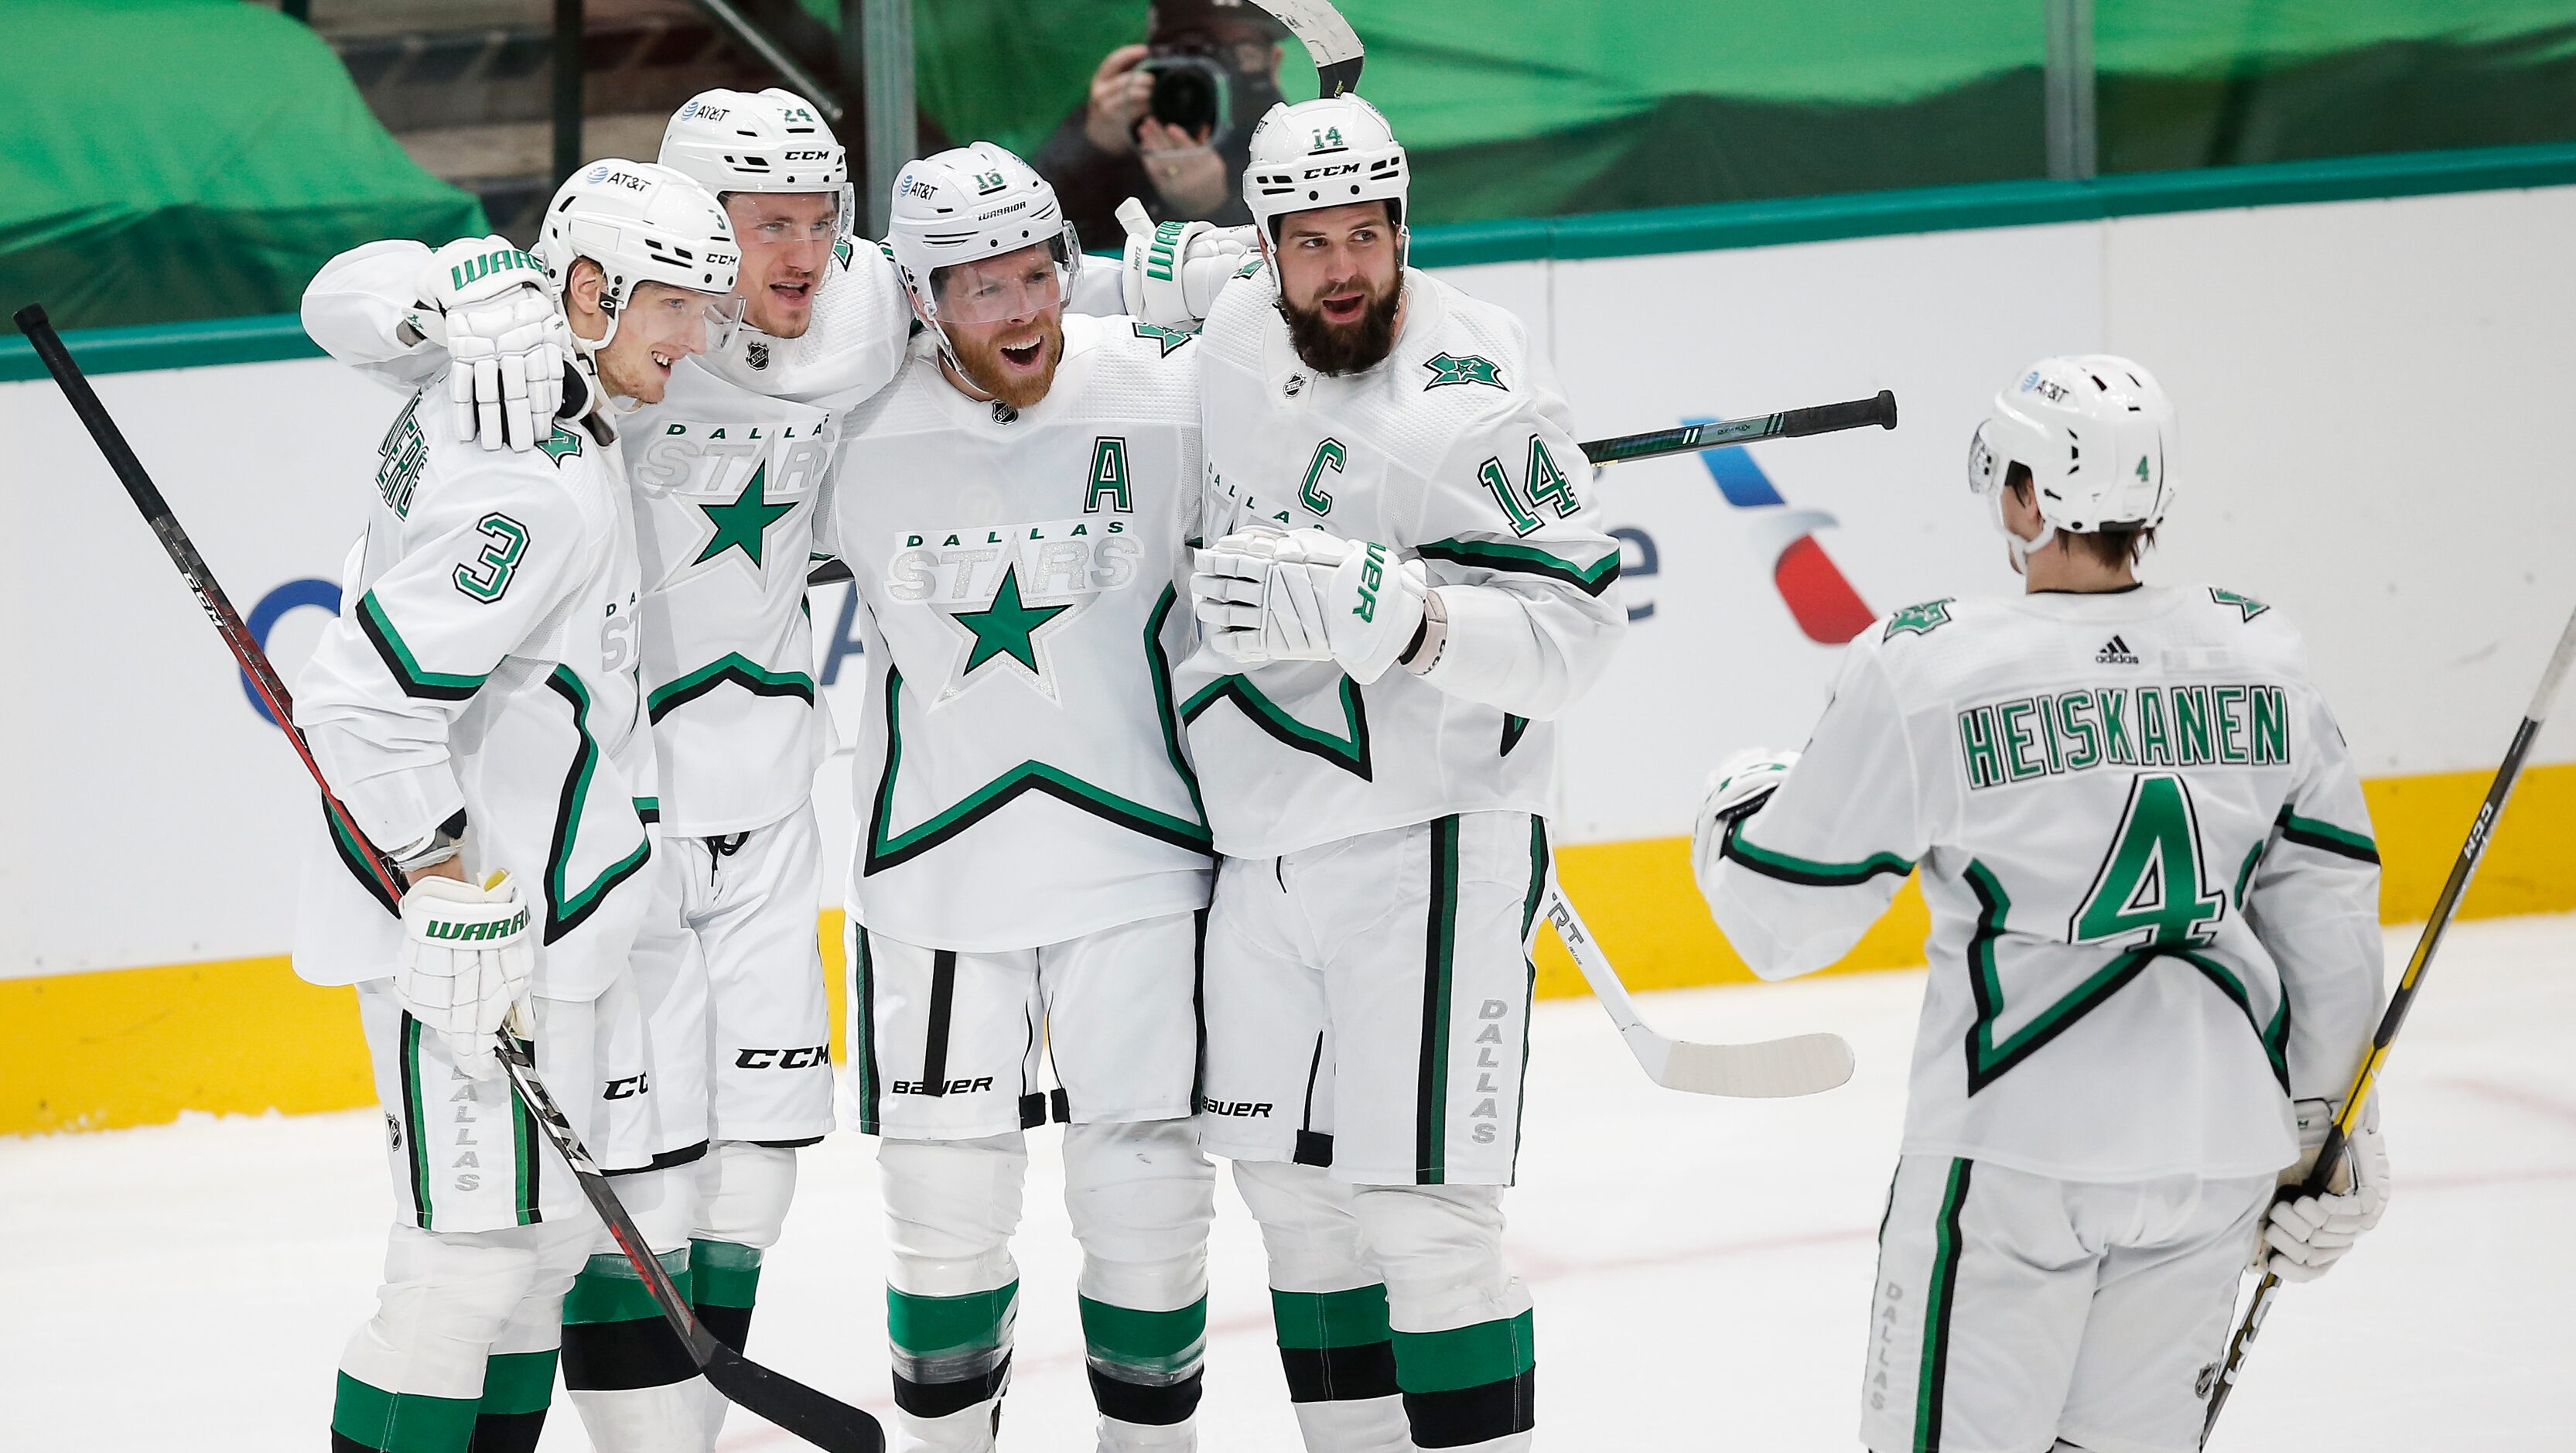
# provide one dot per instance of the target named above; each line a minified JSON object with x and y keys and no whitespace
{"x":1702,"y":1267}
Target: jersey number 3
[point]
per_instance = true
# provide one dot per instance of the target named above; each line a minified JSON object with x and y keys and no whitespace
{"x":2150,"y":888}
{"x":1545,"y":486}
{"x":488,"y":574}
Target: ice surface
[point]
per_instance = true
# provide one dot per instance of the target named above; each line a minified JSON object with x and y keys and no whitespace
{"x":1702,"y":1267}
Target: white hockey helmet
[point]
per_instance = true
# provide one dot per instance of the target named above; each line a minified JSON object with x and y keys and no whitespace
{"x":758,"y":141}
{"x":640,"y":223}
{"x":970,"y":203}
{"x":2096,"y":433}
{"x":1323,"y":153}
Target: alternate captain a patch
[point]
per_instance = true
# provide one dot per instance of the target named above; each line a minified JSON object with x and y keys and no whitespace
{"x":1448,"y":368}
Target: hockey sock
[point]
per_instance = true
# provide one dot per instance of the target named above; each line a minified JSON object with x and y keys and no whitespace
{"x":1339,"y":1358}
{"x":367,"y":1419}
{"x":724,"y":1280}
{"x":626,"y":1370}
{"x":517,"y":1386}
{"x":1468,"y":1386}
{"x":1145,"y":1366}
{"x":950,"y":1353}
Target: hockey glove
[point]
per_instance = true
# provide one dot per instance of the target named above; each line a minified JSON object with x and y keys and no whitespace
{"x":487,"y":303}
{"x":1737,"y":789}
{"x":1259,"y":595}
{"x":1173,"y":271}
{"x":1372,"y":606}
{"x":467,"y":956}
{"x":2304,"y":1236}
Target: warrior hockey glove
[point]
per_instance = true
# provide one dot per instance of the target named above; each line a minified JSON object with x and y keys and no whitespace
{"x":1737,"y":789}
{"x":2306,"y":1235}
{"x":467,"y":955}
{"x":1173,"y":271}
{"x":486,"y":302}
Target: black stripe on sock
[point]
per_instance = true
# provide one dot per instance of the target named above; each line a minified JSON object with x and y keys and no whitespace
{"x":1473,"y":1414}
{"x":1339,"y":1374}
{"x":343,"y":1443}
{"x":939,"y":1399}
{"x":507,"y":1432}
{"x":619,"y":1356}
{"x":1153,"y":1407}
{"x":943,"y":1001}
{"x":731,"y":1325}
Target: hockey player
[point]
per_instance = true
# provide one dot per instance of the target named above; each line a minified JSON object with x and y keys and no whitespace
{"x":2155,"y":946}
{"x":727,"y":467}
{"x":1032,"y":864}
{"x":1404,"y":586}
{"x":477,"y":707}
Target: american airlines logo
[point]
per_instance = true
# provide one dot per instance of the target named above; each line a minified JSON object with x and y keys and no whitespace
{"x":1828,"y":610}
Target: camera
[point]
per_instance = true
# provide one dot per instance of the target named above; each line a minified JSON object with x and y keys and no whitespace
{"x":1193,"y":92}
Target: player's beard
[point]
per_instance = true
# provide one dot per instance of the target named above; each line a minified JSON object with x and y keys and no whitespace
{"x":1020,"y":387}
{"x":1335,"y":348}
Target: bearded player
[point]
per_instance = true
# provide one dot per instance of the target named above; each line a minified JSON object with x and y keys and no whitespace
{"x":726,"y":468}
{"x":2155,"y":946}
{"x":1404,"y":587}
{"x":1032,"y":868}
{"x":478,"y":708}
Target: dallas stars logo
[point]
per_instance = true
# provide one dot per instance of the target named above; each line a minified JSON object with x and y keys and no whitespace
{"x":2246,"y":604}
{"x":1007,"y":627}
{"x":1474,"y":368}
{"x":1170,"y":338}
{"x":1922,"y":619}
{"x":561,"y":445}
{"x":740,"y":525}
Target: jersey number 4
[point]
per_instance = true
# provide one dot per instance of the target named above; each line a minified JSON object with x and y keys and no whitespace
{"x":488,"y":574}
{"x":1546,"y":485}
{"x":2152,"y":890}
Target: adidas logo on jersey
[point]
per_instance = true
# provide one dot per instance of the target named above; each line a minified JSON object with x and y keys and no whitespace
{"x":2115,"y":652}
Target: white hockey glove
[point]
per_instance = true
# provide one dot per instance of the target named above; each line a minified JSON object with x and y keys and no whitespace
{"x":1254,"y":600}
{"x":1372,"y":606}
{"x":1737,"y":788}
{"x":2304,"y":1236}
{"x":467,"y":955}
{"x":1173,"y":271}
{"x":487,"y":303}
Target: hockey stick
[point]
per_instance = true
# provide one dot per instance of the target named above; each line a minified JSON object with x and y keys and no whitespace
{"x":1804,"y":1064}
{"x":2330,"y":1154}
{"x":1725,"y":433}
{"x":823,"y":1421}
{"x":1329,"y":40}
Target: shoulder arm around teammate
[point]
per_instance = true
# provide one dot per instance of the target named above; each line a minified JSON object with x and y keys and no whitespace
{"x":492,"y":553}
{"x":1516,"y":551}
{"x":2314,"y":901}
{"x":1795,"y":883}
{"x":355,"y":308}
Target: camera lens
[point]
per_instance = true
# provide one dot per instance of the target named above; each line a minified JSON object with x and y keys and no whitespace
{"x":1185,"y":98}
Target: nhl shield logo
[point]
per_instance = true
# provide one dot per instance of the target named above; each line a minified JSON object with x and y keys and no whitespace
{"x":757,"y":352}
{"x":393,"y":1134}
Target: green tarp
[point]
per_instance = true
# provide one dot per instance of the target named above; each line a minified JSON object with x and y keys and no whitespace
{"x":1548,"y":107}
{"x":175,"y":159}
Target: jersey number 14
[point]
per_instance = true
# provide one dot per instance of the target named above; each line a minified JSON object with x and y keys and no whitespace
{"x":1545,"y":483}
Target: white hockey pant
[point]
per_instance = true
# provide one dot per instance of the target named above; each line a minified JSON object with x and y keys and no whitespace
{"x":1140,"y":1196}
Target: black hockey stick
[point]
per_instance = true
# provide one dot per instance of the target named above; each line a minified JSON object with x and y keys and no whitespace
{"x":2330,"y":1154}
{"x":823,"y":1421}
{"x":1724,"y":433}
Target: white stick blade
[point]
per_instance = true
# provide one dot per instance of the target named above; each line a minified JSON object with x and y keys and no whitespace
{"x":1805,"y":1064}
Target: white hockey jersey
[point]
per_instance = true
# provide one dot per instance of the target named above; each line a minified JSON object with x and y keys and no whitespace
{"x":1455,"y":450}
{"x":2153,"y":889}
{"x":1019,"y":777}
{"x":728,"y":467}
{"x":484,"y":662}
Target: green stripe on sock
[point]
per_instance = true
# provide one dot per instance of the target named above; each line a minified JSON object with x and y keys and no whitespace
{"x":1154,"y":1341}
{"x":608,"y":1290}
{"x":401,"y":1422}
{"x":518,"y":1382}
{"x":723,"y":1274}
{"x":933,"y":1326}
{"x":1316,"y":1320}
{"x":1464,"y":1357}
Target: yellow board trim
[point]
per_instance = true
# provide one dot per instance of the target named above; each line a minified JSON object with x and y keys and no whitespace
{"x":94,"y":1051}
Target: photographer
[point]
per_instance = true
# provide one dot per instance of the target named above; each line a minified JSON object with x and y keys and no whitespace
{"x":1169,"y":121}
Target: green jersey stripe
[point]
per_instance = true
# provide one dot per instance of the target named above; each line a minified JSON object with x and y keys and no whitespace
{"x":1350,"y":752}
{"x":1789,"y":868}
{"x":567,"y":907}
{"x":733,"y":667}
{"x":407,"y":672}
{"x":2324,"y":836}
{"x":1591,"y":579}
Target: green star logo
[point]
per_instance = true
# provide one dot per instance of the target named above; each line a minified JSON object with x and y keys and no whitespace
{"x":1170,"y":338}
{"x":741,"y":524}
{"x":1922,"y":619}
{"x":1004,"y":628}
{"x":1474,"y":368}
{"x":2246,"y":604}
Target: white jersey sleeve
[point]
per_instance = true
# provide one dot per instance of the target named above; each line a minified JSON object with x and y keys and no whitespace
{"x":2314,"y":902}
{"x":354,"y":308}
{"x":475,"y":569}
{"x":1523,"y":564}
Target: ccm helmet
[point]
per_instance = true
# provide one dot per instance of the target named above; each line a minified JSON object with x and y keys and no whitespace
{"x":965,"y":205}
{"x":1323,"y":153}
{"x":759,"y":141}
{"x":2096,"y":433}
{"x":640,"y":223}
